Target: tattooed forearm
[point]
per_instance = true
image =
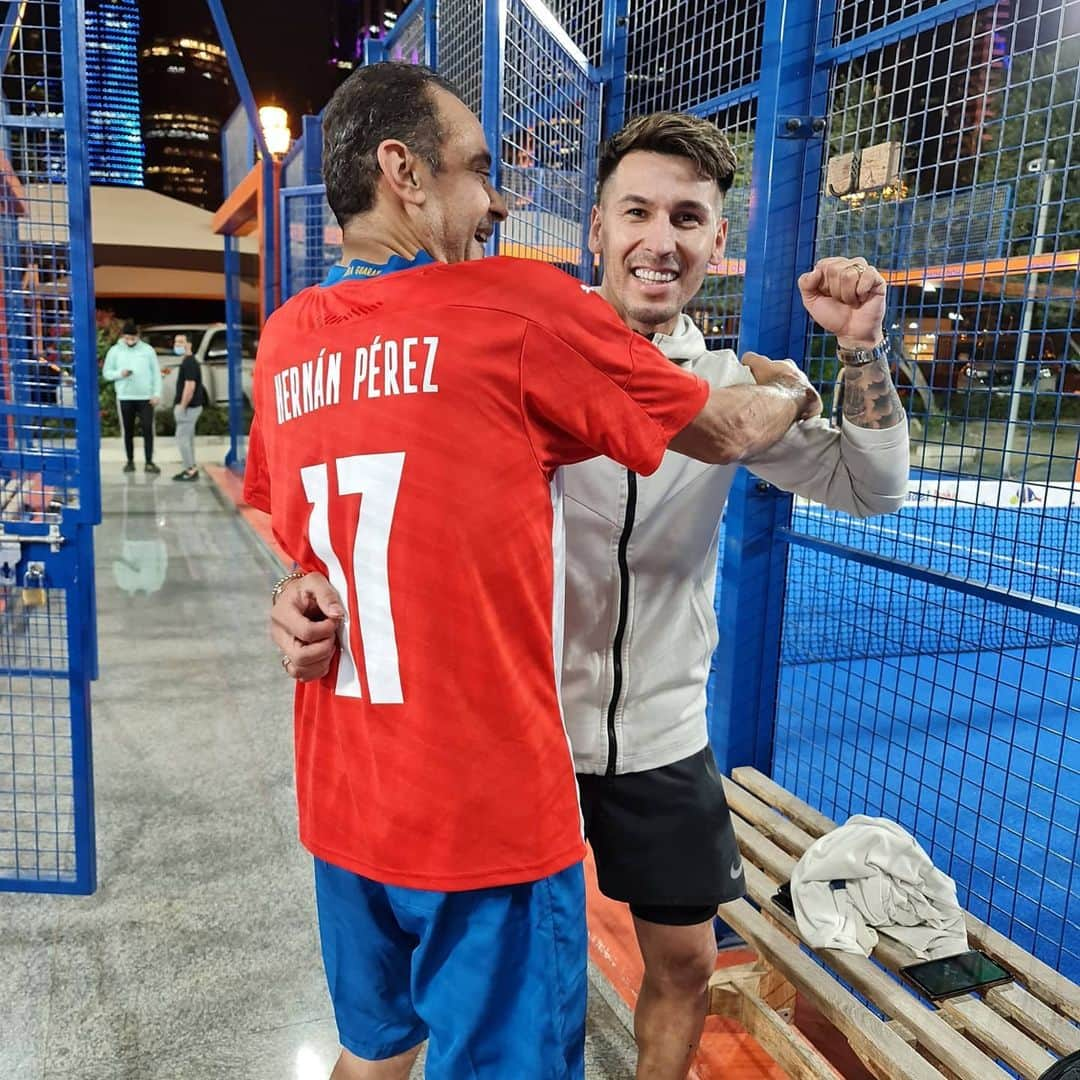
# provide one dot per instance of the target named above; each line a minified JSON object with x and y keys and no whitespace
{"x":870,"y":399}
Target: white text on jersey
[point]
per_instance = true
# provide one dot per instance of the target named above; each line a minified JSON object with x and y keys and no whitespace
{"x":381,"y":369}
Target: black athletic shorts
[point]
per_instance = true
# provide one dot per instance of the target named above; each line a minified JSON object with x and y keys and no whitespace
{"x":662,"y":840}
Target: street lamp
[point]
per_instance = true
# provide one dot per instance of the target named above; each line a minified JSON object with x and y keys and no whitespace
{"x":275,"y":126}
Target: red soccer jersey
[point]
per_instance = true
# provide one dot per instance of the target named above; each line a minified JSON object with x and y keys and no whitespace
{"x":407,"y":437}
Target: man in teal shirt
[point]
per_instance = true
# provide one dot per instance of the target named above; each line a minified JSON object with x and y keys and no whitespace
{"x":133,"y":366}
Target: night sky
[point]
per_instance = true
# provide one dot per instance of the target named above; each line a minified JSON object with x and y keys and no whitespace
{"x":284,"y":45}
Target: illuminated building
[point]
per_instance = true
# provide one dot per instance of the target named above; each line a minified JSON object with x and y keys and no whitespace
{"x":114,"y":137}
{"x":187,"y":96}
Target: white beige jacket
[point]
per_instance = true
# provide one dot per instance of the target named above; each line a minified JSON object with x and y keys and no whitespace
{"x":641,"y":570}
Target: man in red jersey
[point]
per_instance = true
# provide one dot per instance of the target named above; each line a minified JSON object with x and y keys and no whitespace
{"x":408,"y":433}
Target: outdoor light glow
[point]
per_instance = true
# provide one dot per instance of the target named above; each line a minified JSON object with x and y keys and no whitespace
{"x":929,"y":286}
{"x":913,"y":326}
{"x":275,"y":125}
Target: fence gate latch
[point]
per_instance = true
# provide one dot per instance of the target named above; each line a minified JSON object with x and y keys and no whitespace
{"x":801,"y":127}
{"x":9,"y":559}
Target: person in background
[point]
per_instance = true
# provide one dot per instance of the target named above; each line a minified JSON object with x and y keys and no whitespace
{"x":132,"y":366}
{"x":187,"y":406}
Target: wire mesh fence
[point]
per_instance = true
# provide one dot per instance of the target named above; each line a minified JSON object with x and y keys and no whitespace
{"x":408,"y":39}
{"x":550,"y":133}
{"x":37,"y":798}
{"x":461,"y":48}
{"x":39,"y":474}
{"x":685,"y":54}
{"x":311,"y":237}
{"x":238,"y":149}
{"x":936,"y":684}
{"x":48,"y":455}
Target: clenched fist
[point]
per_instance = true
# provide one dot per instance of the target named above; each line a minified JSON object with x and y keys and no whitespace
{"x":846,"y":297}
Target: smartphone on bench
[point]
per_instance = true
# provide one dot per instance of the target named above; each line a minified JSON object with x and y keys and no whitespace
{"x":951,"y":976}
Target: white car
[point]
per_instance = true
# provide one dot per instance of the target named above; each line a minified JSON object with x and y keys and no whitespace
{"x":209,"y":347}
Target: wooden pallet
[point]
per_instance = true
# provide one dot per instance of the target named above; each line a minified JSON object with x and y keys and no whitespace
{"x":1027,"y":1024}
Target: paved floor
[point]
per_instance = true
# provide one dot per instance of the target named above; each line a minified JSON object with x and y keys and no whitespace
{"x":197,"y":957}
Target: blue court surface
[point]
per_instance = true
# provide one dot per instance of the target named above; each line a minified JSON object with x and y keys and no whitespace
{"x":977,"y":754}
{"x":953,"y":713}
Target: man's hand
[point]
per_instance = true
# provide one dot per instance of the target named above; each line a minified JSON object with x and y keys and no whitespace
{"x":304,"y":625}
{"x":768,"y":372}
{"x":125,"y":373}
{"x":846,"y":297}
{"x":154,"y":401}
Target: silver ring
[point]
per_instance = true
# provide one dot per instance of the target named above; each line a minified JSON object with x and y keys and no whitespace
{"x":859,"y":268}
{"x":285,"y":662}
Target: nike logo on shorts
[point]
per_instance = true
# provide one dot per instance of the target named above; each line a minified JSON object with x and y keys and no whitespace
{"x":736,"y":870}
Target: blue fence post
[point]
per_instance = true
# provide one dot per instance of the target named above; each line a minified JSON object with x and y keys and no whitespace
{"x":83,"y":667}
{"x":374,"y":51}
{"x":431,"y":34}
{"x":494,"y":33}
{"x":80,"y":253}
{"x":311,"y":134}
{"x":234,"y":457}
{"x":780,"y":246}
{"x":270,"y":173}
{"x":615,"y":32}
{"x":74,"y":563}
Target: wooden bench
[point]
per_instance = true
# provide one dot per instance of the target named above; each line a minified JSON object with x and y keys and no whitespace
{"x":1029,"y":1024}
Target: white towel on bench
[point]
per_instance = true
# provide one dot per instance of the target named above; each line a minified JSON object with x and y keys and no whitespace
{"x":868,"y":874}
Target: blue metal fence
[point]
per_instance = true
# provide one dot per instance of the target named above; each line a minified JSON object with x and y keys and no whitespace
{"x":49,"y":482}
{"x":922,"y":667}
{"x":926,"y":664}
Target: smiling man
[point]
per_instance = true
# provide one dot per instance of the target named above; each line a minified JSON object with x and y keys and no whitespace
{"x":642,"y":558}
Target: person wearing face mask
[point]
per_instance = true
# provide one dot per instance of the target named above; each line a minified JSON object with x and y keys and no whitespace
{"x":132,"y":366}
{"x":187,"y":407}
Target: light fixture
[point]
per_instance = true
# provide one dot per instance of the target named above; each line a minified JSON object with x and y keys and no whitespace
{"x":956,"y":316}
{"x":929,"y":286}
{"x":913,"y":326}
{"x":275,"y":125}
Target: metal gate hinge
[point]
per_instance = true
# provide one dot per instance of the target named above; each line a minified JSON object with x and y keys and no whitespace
{"x":801,"y":127}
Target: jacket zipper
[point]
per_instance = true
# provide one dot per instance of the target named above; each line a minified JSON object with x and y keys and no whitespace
{"x":620,"y":625}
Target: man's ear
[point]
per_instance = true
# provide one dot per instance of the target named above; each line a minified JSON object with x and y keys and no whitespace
{"x":594,"y":230}
{"x":400,"y":171}
{"x":721,"y":242}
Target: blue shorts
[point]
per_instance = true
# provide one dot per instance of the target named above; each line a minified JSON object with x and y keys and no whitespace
{"x":494,"y":979}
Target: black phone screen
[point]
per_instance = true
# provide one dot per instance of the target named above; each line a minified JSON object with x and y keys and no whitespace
{"x":953,"y":975}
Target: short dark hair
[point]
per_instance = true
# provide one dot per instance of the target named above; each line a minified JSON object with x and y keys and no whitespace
{"x":131,"y":327}
{"x":677,"y":134}
{"x":382,"y":101}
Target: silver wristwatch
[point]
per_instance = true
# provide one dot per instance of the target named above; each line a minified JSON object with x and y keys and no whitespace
{"x":861,"y":357}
